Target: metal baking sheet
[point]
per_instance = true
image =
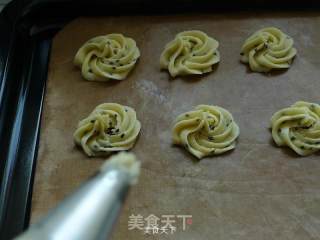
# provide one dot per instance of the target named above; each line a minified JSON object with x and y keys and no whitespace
{"x":257,"y":191}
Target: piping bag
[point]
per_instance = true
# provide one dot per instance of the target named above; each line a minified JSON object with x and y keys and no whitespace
{"x":92,"y":210}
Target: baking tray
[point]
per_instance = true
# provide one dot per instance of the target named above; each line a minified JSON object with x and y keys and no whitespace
{"x":28,"y":28}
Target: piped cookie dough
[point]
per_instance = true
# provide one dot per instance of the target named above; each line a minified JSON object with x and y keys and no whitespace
{"x":267,"y":49}
{"x":298,"y":127}
{"x":111,"y":127}
{"x":191,"y":52}
{"x":107,"y":57}
{"x":206,"y":130}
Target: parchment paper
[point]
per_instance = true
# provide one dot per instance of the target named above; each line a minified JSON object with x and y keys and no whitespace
{"x":257,"y":191}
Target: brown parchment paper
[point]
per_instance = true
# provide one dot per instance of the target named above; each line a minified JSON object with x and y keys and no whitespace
{"x":257,"y":191}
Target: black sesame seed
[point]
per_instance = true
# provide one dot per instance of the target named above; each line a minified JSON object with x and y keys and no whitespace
{"x":241,"y":53}
{"x":210,"y":138}
{"x":114,"y":68}
{"x":110,"y":130}
{"x":92,"y":121}
{"x":117,"y":130}
{"x":187,"y":115}
{"x":211,"y":127}
{"x":279,"y":130}
{"x":302,"y":147}
{"x":214,"y":53}
{"x":122,"y":135}
{"x":292,"y":138}
{"x":121,"y":64}
{"x":126,"y":110}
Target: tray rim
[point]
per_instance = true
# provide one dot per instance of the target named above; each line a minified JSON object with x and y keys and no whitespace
{"x":21,"y":98}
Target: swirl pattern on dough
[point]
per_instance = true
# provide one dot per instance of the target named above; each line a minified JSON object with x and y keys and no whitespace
{"x":267,"y":49}
{"x":109,"y":128}
{"x":207,"y":130}
{"x":107,"y":57}
{"x":298,"y":127}
{"x":191,"y":52}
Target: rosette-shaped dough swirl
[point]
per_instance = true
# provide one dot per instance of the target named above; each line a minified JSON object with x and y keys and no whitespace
{"x":107,"y":57}
{"x":207,"y":130}
{"x":191,"y":52}
{"x":267,"y":49}
{"x":109,"y":128}
{"x":298,"y":127}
